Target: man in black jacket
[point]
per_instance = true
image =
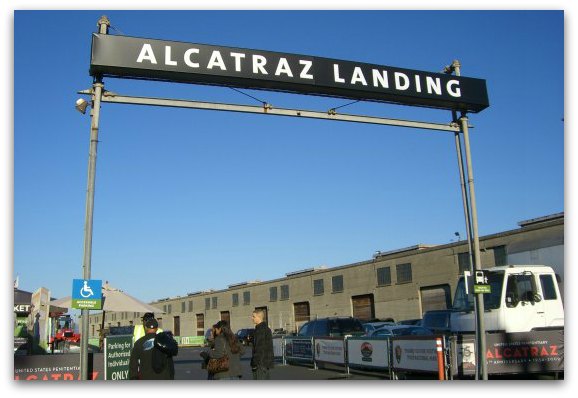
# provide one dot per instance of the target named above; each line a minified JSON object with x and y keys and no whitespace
{"x":148,"y":362}
{"x":262,"y":359}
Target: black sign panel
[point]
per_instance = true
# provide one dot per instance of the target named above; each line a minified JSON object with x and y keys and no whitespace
{"x":131,"y":57}
{"x":512,"y":353}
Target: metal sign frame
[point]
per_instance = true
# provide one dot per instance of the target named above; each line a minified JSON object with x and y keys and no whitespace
{"x":457,"y":126}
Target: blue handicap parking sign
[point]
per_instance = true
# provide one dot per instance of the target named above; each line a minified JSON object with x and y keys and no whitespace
{"x":87,"y":294}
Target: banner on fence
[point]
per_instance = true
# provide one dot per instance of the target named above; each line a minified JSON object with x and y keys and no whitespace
{"x":368,"y":352}
{"x":415,"y":353}
{"x":529,"y":352}
{"x":525,"y":352}
{"x":56,"y":367}
{"x":278,"y":347}
{"x":330,"y":350}
{"x":298,"y":349}
{"x":190,"y":340}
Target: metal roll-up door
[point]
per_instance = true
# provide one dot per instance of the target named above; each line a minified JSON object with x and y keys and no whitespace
{"x":363,"y":307}
{"x":301,"y":311}
{"x":200,"y":324}
{"x":435,"y":298}
{"x":226,"y":316}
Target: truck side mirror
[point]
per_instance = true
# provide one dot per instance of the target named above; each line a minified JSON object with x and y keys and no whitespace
{"x":536,"y":297}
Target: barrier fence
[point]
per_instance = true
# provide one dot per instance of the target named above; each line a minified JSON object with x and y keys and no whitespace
{"x":450,"y":357}
{"x":442,"y":357}
{"x":389,"y":356}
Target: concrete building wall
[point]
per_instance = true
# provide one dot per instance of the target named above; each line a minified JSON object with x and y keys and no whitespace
{"x":434,"y":270}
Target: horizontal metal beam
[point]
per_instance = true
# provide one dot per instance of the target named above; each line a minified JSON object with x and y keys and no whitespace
{"x":267,"y":109}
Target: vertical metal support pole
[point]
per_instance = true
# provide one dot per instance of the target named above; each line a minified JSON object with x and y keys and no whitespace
{"x":97,"y":89}
{"x":456,"y":67}
{"x":481,"y":330}
{"x":313,"y":353}
{"x":465,"y":198}
{"x":346,"y":355}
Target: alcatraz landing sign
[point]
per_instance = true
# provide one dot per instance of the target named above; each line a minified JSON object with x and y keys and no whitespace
{"x":131,"y":57}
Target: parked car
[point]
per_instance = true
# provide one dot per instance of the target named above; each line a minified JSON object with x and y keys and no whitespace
{"x":245,"y":336}
{"x":401,"y":330}
{"x":438,"y":321}
{"x":369,"y":327}
{"x":415,"y":322}
{"x":332,"y":327}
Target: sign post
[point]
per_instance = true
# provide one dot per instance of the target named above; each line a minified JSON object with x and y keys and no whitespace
{"x":98,"y":87}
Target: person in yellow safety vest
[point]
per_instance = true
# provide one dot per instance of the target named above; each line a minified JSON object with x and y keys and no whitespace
{"x":139,"y":330}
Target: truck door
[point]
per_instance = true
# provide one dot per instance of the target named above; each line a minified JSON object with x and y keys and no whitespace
{"x":551,"y":300}
{"x":523,"y":312}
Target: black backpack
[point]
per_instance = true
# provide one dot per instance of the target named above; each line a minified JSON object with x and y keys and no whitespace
{"x":166,"y":343}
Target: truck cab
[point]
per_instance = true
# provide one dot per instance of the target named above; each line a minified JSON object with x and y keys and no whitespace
{"x":522,"y":298}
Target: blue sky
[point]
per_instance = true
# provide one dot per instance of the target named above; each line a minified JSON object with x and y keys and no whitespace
{"x":189,"y":200}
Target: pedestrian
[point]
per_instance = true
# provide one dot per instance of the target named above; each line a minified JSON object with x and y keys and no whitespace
{"x":226,"y":344}
{"x":262,"y":359}
{"x":205,"y":353}
{"x":147,"y":361}
{"x":139,"y":330}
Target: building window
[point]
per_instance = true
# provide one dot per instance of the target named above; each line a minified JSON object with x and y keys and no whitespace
{"x":190,"y":305}
{"x":337,"y":284}
{"x":235,"y":299}
{"x":169,"y":308}
{"x":207,"y":303}
{"x":284,"y":292}
{"x":403,"y":273}
{"x":273,"y":293}
{"x":384,"y":276}
{"x":214,"y":302}
{"x":318,"y":289}
{"x":464,"y":262}
{"x":246,"y":298}
{"x":183,"y":306}
{"x":500,"y":257}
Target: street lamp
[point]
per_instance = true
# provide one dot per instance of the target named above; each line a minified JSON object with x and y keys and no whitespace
{"x":81,"y":105}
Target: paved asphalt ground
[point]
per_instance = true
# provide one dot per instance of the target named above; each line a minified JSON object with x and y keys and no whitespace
{"x":188,"y":367}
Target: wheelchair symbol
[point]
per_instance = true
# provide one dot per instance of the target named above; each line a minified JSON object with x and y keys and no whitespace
{"x":86,"y":290}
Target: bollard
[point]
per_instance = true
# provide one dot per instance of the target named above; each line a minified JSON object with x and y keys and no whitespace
{"x":441,"y":366}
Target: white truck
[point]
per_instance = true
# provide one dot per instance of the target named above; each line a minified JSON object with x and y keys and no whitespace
{"x":523,"y":298}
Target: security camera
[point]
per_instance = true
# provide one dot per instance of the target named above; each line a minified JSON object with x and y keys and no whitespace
{"x":81,"y":105}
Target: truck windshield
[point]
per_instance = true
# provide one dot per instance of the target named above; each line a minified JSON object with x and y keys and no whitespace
{"x":465,"y":302}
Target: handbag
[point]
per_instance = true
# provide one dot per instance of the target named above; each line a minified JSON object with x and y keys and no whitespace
{"x":218,"y":365}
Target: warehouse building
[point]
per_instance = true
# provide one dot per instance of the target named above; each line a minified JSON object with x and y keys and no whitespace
{"x":399,"y":284}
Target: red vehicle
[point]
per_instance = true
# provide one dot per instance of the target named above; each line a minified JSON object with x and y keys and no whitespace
{"x":63,"y":332}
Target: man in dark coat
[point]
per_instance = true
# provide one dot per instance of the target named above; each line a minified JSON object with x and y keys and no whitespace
{"x":148,"y":362}
{"x":262,"y":359}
